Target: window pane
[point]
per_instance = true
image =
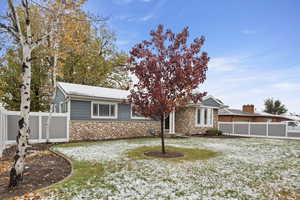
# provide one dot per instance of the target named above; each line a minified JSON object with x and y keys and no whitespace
{"x":95,"y":109}
{"x":66,"y":109}
{"x":103,"y":109}
{"x":208,"y":116}
{"x":205,"y":116}
{"x":112,"y":110}
{"x":198,"y":116}
{"x":63,"y":107}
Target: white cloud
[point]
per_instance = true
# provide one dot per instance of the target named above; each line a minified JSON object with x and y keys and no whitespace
{"x":123,"y":42}
{"x":248,"y":32}
{"x":238,"y":80}
{"x":146,"y":18}
{"x":124,"y":2}
{"x":286,"y":86}
{"x":139,"y":19}
{"x":224,"y":63}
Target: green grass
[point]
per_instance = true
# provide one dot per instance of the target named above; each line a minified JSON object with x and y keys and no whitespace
{"x":78,"y":144}
{"x":83,"y":172}
{"x":189,"y":153}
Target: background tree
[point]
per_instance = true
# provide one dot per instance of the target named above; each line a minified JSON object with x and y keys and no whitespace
{"x":168,"y":70}
{"x":274,"y":107}
{"x":96,"y":60}
{"x":78,"y":48}
{"x":10,"y":75}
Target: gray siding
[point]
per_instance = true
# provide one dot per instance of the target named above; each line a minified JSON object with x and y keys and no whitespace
{"x":59,"y":97}
{"x":81,"y":110}
{"x":210,"y":102}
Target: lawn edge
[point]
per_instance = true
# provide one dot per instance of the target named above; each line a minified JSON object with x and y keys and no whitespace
{"x":59,"y":182}
{"x":63,"y":180}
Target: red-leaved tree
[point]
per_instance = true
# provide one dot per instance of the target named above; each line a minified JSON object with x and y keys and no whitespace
{"x":168,"y":70}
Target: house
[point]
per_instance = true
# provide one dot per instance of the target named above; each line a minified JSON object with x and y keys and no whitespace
{"x":102,"y":113}
{"x":248,"y":114}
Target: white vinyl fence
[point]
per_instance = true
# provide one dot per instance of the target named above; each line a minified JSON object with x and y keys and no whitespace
{"x":3,"y":130}
{"x":260,"y":129}
{"x":59,"y":127}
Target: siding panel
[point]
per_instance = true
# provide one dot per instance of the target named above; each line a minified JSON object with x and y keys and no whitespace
{"x":210,"y":102}
{"x":81,"y":110}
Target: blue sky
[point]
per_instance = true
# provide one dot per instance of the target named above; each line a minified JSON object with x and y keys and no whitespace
{"x":254,"y":45}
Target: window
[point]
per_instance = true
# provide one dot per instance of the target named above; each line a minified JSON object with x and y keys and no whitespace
{"x":104,"y":110}
{"x":204,"y":117}
{"x":63,"y":107}
{"x":135,"y":115}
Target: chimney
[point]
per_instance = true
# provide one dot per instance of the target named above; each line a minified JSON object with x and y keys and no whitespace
{"x":248,"y":108}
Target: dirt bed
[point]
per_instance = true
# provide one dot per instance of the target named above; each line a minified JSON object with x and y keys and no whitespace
{"x":42,"y":169}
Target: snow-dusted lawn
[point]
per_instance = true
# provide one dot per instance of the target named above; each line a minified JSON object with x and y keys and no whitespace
{"x":245,"y":169}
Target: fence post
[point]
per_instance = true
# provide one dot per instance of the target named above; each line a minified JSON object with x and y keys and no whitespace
{"x":3,"y":130}
{"x":267,"y":128}
{"x":249,"y":126}
{"x":40,"y":127}
{"x":286,"y":129}
{"x":1,"y":133}
{"x":233,"y":127}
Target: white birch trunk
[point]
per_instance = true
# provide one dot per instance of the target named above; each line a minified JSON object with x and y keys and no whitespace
{"x":52,"y":79}
{"x":53,"y":90}
{"x":16,"y":173}
{"x":25,"y":42}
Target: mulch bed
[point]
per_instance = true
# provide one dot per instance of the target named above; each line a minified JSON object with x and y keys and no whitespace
{"x":168,"y":154}
{"x":42,"y":169}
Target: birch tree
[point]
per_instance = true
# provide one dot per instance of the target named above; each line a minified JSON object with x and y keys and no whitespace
{"x":24,"y":39}
{"x":53,"y":44}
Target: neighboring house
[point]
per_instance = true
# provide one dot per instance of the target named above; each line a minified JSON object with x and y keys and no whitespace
{"x":248,"y":114}
{"x":100,"y":113}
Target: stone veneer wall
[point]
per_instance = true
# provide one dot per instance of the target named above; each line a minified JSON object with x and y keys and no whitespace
{"x":97,"y":130}
{"x":185,"y":121}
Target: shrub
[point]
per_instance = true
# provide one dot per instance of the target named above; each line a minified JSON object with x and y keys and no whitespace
{"x":213,"y":132}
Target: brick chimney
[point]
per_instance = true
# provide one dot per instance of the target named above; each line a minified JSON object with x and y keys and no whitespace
{"x":248,"y":108}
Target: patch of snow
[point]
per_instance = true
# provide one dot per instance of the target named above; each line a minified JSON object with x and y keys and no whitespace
{"x":93,"y":91}
{"x":246,"y":169}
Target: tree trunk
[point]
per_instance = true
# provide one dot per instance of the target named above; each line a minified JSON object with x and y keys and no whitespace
{"x":53,"y":90}
{"x":16,"y":173}
{"x":162,"y":118}
{"x":52,"y":78}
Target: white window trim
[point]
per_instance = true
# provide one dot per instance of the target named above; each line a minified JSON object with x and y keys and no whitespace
{"x":104,"y":117}
{"x":204,"y":125}
{"x":134,"y":117}
{"x":60,"y":104}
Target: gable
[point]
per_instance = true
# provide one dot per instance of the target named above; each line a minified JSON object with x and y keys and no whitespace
{"x":211,"y":102}
{"x":59,"y":96}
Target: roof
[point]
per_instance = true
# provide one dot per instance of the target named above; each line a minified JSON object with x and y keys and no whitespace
{"x":93,"y":91}
{"x":237,"y":112}
{"x":293,"y":117}
{"x":96,"y":92}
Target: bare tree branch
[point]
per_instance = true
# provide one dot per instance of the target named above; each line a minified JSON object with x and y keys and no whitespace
{"x":10,"y":30}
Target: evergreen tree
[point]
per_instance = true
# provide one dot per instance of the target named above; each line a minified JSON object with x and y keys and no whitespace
{"x":274,"y":107}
